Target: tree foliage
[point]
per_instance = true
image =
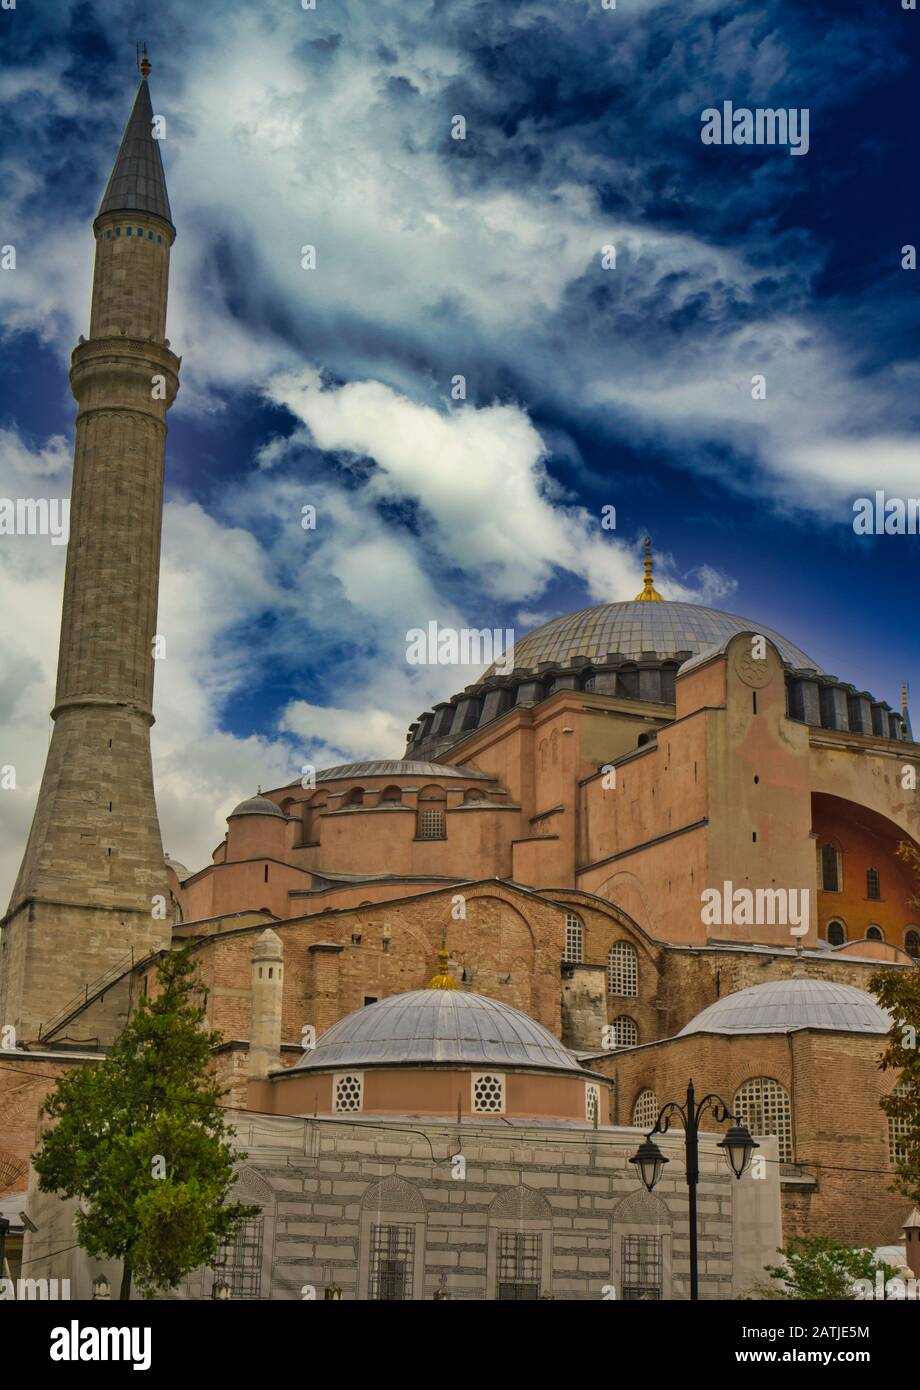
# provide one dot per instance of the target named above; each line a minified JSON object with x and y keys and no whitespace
{"x":898,"y":991}
{"x":139,"y":1138}
{"x":818,"y":1267}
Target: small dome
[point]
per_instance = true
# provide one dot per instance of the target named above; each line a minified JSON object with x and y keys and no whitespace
{"x":257,"y":806}
{"x":178,"y":869}
{"x":438,"y":1026}
{"x":782,"y":1006}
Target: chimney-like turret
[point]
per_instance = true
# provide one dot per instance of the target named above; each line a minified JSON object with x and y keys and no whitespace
{"x":265,"y":1030}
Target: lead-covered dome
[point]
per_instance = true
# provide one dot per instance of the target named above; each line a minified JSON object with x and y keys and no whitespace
{"x":257,"y":806}
{"x":438,"y":1026}
{"x":783,"y":1006}
{"x":633,"y":627}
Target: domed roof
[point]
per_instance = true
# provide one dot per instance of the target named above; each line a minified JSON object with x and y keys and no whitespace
{"x":633,"y":627}
{"x":178,"y":869}
{"x":444,"y":1026}
{"x":782,"y":1006}
{"x":257,"y":806}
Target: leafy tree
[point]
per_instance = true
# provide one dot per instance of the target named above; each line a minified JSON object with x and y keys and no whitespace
{"x":140,"y":1139}
{"x":818,"y":1267}
{"x":898,"y":991}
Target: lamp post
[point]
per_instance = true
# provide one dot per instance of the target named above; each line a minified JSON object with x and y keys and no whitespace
{"x":738,"y":1146}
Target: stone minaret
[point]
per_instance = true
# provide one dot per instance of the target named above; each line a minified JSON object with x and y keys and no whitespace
{"x":93,"y":883}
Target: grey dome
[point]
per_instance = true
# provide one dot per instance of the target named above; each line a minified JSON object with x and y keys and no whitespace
{"x":257,"y":806}
{"x":398,"y":767}
{"x":782,"y":1006}
{"x":438,"y":1026}
{"x":633,"y":627}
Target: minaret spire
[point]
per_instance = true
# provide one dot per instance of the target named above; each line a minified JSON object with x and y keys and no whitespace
{"x":649,"y":593}
{"x":92,"y":887}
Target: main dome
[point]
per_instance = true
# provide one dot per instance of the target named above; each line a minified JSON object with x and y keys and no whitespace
{"x":634,"y":627}
{"x":783,"y":1006}
{"x":438,"y":1026}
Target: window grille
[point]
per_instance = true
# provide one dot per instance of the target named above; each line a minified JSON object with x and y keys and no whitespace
{"x":645,"y":1110}
{"x":431,"y":825}
{"x":347,"y":1091}
{"x":592,"y":1102}
{"x":240,"y":1261}
{"x":488,"y":1094}
{"x":518,"y":1265}
{"x":625,"y":1032}
{"x":763,"y":1105}
{"x":392,"y":1263}
{"x":912,"y":943}
{"x":574,"y":938}
{"x":898,"y":1129}
{"x":641,"y":1268}
{"x":873,"y":884}
{"x":622,"y":969}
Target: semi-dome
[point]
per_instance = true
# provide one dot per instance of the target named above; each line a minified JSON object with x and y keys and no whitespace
{"x":783,"y":1006}
{"x":633,"y":627}
{"x":257,"y":806}
{"x":431,"y":1026}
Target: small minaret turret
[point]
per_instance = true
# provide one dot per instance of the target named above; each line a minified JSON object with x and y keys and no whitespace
{"x":265,"y":1029}
{"x":92,"y":885}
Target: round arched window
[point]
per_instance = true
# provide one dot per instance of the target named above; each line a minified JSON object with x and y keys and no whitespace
{"x":874,"y":933}
{"x":763,"y":1105}
{"x":645,"y":1110}
{"x":836,"y":933}
{"x":622,"y":970}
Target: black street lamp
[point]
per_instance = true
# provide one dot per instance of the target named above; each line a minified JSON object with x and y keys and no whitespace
{"x":738,"y":1146}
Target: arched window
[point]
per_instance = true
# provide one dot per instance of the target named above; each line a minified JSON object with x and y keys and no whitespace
{"x":625,"y":1032}
{"x":645,"y":1110}
{"x":391,"y":796}
{"x":355,"y":797}
{"x":836,"y":933}
{"x":623,"y":970}
{"x":912,"y":942}
{"x":574,"y":938}
{"x":830,"y":869}
{"x":873,"y":886}
{"x":898,"y":1129}
{"x":874,"y":933}
{"x":763,"y":1105}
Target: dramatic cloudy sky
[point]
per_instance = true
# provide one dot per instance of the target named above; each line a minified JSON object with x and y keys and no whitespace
{"x":586,"y":386}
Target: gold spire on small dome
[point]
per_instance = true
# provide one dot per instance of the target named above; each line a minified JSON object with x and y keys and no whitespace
{"x":649,"y":593}
{"x":443,"y":979}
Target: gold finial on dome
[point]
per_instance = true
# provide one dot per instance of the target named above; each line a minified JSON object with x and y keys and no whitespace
{"x":145,"y":64}
{"x":443,"y":979}
{"x":649,"y":593}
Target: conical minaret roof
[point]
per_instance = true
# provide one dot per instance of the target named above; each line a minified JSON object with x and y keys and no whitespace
{"x":137,"y":182}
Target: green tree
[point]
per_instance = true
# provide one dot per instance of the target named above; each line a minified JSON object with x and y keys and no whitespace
{"x":898,"y":991}
{"x":140,"y":1139}
{"x":817,"y":1267}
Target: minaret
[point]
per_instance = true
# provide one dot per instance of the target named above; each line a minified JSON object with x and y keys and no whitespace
{"x":92,"y":885}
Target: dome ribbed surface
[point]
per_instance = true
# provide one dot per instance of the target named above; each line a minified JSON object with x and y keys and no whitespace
{"x":632,"y":628}
{"x":782,"y":1006}
{"x":438,"y":1026}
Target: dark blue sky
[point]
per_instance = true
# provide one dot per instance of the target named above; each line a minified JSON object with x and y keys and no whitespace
{"x":481,"y":257}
